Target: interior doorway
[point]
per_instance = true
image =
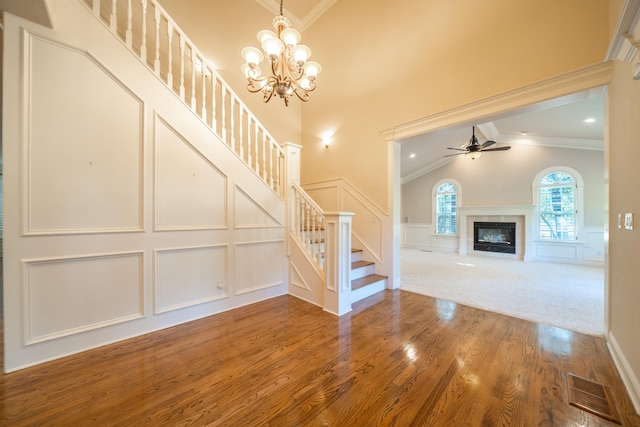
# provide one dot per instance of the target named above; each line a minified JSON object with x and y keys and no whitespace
{"x":493,"y":110}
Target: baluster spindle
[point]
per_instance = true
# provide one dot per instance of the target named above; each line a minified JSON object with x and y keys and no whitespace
{"x":270,"y":163}
{"x":128,"y":34}
{"x":113,"y":19}
{"x":182,"y":42}
{"x":224,"y":114}
{"x":257,"y":150}
{"x":314,"y":237}
{"x":249,"y":160}
{"x":204,"y":70}
{"x":307,"y":209}
{"x":156,"y":61}
{"x":143,"y":44}
{"x":170,"y":55}
{"x":233,"y":124}
{"x":279,"y":166}
{"x":214,"y":123}
{"x":193,"y":79}
{"x":264,"y":156}
{"x":240,"y":118}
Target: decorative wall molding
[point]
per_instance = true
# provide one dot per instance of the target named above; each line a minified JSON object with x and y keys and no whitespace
{"x":67,"y":169}
{"x":189,"y":276}
{"x":186,"y":200}
{"x":109,"y":286}
{"x":266,"y":269}
{"x":253,"y":213}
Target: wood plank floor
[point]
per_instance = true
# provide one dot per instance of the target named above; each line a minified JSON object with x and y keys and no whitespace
{"x":399,"y":359}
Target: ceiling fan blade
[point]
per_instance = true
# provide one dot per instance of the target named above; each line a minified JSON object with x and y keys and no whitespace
{"x":451,"y":155}
{"x":459,"y":149}
{"x":487,"y":144}
{"x":497,"y":149}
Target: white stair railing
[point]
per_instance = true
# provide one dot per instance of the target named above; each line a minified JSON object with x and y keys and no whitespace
{"x":174,"y":59}
{"x":308,"y":225}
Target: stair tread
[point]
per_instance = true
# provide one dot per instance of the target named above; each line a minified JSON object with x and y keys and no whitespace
{"x":366,"y":280}
{"x":358,"y":264}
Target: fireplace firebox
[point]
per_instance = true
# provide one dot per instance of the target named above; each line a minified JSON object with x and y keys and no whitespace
{"x":495,"y":237}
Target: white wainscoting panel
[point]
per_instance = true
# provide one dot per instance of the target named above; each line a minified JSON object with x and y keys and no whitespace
{"x":71,"y":295}
{"x":557,"y":251}
{"x":249,"y":214}
{"x":593,"y":250}
{"x":416,"y":236}
{"x":189,"y":276}
{"x":191,"y":193}
{"x":84,"y":161}
{"x":258,"y":265}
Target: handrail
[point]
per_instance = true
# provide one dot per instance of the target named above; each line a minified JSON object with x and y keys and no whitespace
{"x":308,"y":224}
{"x":175,"y":60}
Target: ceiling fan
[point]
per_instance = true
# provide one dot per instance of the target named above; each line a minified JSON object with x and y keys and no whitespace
{"x":474,"y":149}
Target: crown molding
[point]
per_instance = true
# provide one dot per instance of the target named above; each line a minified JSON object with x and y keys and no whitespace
{"x":555,"y":87}
{"x":625,"y":42}
{"x":301,"y":23}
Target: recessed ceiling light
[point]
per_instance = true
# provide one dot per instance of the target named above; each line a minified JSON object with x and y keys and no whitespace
{"x":412,"y":155}
{"x":589,"y":120}
{"x":524,"y":132}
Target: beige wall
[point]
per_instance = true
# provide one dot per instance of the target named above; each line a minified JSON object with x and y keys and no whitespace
{"x":500,"y":179}
{"x":392,"y":62}
{"x":624,"y":246}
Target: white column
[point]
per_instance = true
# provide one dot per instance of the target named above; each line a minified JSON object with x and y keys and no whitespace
{"x":337,"y":292}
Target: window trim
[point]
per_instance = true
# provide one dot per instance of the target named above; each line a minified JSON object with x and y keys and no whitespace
{"x":578,"y":198}
{"x":434,"y":219}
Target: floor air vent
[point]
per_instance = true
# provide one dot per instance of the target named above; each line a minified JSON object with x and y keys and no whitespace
{"x":591,"y":397}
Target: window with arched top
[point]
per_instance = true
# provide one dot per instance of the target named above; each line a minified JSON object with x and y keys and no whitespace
{"x":446,"y":197}
{"x":558,"y":193}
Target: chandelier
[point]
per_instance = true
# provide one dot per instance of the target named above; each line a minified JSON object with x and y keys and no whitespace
{"x":291,"y":72}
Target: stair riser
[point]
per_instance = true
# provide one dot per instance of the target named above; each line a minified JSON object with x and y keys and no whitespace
{"x":357,"y":273}
{"x":368,"y":290}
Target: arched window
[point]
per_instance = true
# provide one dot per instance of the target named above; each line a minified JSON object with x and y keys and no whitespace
{"x":445,"y":205}
{"x":558,"y":192}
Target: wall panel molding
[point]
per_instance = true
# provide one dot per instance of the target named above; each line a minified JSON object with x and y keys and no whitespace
{"x":258,"y":265}
{"x":186,"y":197}
{"x":188,"y":276}
{"x":70,"y":295}
{"x":72,"y":147}
{"x":249,"y":213}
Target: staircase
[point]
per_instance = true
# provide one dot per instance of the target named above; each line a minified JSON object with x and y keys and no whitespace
{"x":363,"y":278}
{"x":364,"y":281}
{"x":147,"y":30}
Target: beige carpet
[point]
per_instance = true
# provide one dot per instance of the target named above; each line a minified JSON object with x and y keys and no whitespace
{"x":562,"y":295}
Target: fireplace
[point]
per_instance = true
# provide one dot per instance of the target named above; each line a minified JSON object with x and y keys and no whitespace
{"x":495,"y":237}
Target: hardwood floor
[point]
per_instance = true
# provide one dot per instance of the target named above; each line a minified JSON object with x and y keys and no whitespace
{"x":399,"y":358}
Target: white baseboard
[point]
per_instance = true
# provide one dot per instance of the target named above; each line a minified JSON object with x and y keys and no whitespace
{"x":624,"y":368}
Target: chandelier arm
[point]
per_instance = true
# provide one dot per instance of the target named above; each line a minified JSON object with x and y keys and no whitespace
{"x":304,"y":97}
{"x":254,"y":85}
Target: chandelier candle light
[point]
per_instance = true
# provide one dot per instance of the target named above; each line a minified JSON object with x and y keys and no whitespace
{"x":291,"y":72}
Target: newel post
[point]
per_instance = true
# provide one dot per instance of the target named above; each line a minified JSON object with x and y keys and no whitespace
{"x":337,"y":292}
{"x":292,"y":162}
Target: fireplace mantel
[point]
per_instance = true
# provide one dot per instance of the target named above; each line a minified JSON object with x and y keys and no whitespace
{"x":525,"y":211}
